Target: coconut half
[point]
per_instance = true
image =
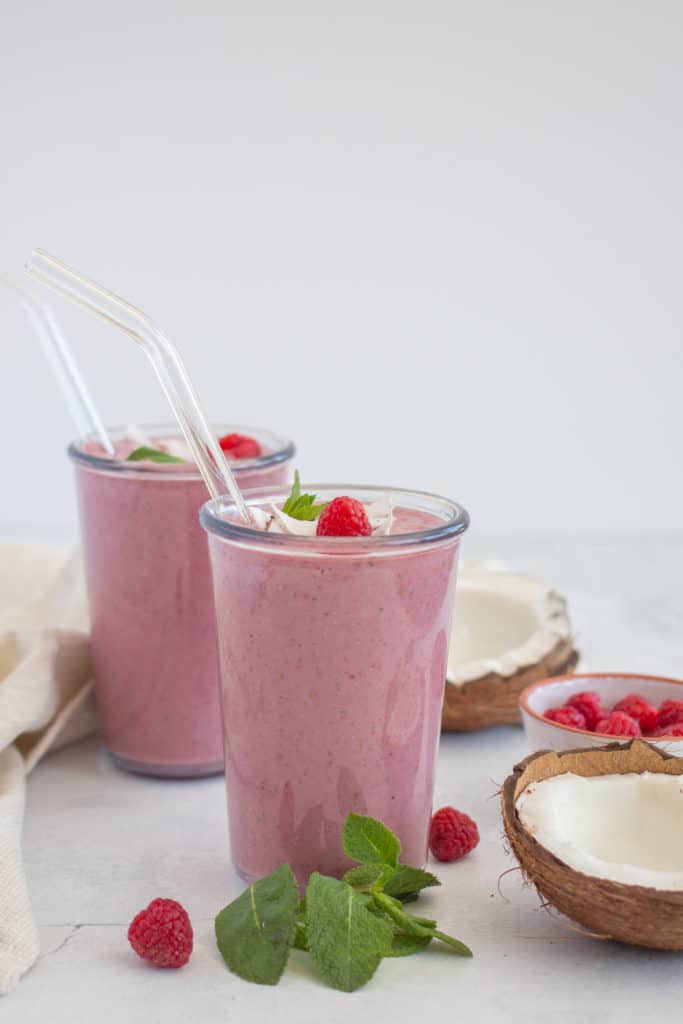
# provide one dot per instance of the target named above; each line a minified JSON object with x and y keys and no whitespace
{"x":509,"y":630}
{"x":600,"y":834}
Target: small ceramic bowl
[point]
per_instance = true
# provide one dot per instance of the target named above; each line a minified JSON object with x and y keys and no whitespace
{"x":612,"y":687}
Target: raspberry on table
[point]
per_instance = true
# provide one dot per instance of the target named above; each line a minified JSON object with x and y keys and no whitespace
{"x":344,"y":517}
{"x":240,"y":446}
{"x":670,"y":713}
{"x":566,"y":716}
{"x":452,"y":834}
{"x":637,"y":707}
{"x":589,"y":704}
{"x":618,"y":723}
{"x":162,"y":934}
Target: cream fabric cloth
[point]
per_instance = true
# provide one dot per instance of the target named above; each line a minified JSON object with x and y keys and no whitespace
{"x":45,"y":685}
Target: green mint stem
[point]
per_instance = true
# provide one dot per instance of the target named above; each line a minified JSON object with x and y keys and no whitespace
{"x":426,"y":921}
{"x":455,"y":944}
{"x":405,"y":921}
{"x":418,"y":926}
{"x":301,"y":936}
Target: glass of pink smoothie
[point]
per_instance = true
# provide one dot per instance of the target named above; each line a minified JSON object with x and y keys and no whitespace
{"x":153,"y":627}
{"x":333,"y":661}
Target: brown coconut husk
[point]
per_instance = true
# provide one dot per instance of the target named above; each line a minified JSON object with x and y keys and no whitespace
{"x":632,"y":914}
{"x":494,"y":699}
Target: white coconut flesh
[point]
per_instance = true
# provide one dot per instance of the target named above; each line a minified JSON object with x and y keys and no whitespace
{"x":504,"y":622}
{"x":626,"y":828}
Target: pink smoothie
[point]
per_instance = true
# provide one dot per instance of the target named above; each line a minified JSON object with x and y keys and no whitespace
{"x":333,"y":660}
{"x":151,"y":604}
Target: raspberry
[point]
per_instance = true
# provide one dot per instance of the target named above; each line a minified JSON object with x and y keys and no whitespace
{"x":162,"y":934}
{"x":344,"y":517}
{"x":672,"y":730}
{"x":670,"y":713}
{"x":588,"y":703}
{"x":239,"y":446}
{"x":452,"y":834}
{"x":637,"y":707}
{"x":618,"y":723}
{"x":566,"y":716}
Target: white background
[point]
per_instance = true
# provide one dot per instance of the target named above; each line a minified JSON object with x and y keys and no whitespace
{"x":439,"y":244}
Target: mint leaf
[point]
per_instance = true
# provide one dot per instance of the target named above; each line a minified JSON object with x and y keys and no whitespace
{"x":151,"y":455}
{"x":301,"y":506}
{"x":307,"y":512}
{"x":406,"y":945}
{"x":256,"y":931}
{"x":294,"y":494}
{"x":346,"y":941}
{"x":406,"y":882}
{"x":366,"y":876}
{"x":368,"y":840}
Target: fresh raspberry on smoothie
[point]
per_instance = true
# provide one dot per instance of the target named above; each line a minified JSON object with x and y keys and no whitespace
{"x":344,"y":517}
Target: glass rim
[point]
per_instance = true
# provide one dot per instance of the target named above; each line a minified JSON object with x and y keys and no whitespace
{"x":450,"y":528}
{"x":284,"y":450}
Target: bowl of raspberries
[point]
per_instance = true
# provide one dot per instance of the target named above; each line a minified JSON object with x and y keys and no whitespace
{"x":599,"y":708}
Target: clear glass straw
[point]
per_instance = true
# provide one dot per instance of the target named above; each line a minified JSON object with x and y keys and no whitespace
{"x":164,"y":357}
{"x":75,"y":392}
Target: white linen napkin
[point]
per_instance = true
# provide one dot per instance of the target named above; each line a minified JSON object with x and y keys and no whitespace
{"x":45,"y":686}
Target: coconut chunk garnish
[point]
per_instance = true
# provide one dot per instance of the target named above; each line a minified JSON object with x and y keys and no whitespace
{"x":274,"y":520}
{"x":259,"y":518}
{"x":176,"y":446}
{"x":509,"y":630}
{"x":381,"y":515}
{"x":280,"y":522}
{"x":628,"y":828}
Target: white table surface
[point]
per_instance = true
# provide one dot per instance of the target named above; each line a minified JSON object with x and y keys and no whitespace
{"x":99,"y":844}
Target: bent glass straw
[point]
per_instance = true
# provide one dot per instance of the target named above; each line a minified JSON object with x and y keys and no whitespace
{"x":75,"y":392}
{"x":164,"y":357}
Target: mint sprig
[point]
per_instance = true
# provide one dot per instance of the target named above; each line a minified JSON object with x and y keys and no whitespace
{"x":301,"y":506}
{"x":348,"y":926}
{"x":151,"y":455}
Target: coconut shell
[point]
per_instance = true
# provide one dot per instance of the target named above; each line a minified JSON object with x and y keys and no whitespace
{"x":632,"y":914}
{"x":494,"y":699}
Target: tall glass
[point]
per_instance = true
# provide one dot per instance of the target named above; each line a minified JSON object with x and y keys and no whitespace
{"x":333,"y":660}
{"x":153,"y":627}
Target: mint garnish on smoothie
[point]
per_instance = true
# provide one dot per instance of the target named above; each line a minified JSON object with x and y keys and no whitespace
{"x":348,"y":926}
{"x":301,"y":506}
